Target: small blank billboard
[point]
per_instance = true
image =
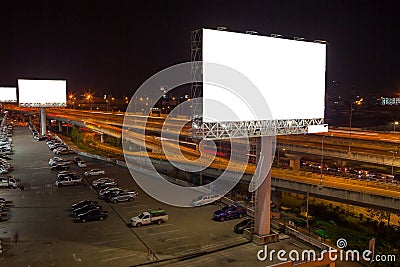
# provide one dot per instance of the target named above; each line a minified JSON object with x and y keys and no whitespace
{"x":317,"y":128}
{"x":42,"y":93}
{"x":289,"y":75}
{"x":8,"y":94}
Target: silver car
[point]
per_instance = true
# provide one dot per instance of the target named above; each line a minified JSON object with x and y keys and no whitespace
{"x":122,"y":196}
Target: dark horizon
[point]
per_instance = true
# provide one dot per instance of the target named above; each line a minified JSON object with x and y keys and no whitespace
{"x":114,"y":46}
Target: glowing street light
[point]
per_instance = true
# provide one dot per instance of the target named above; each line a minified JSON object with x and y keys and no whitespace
{"x":89,"y":98}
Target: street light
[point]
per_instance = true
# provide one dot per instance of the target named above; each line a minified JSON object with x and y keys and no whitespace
{"x":394,"y":125}
{"x":351,"y":115}
{"x":322,"y":161}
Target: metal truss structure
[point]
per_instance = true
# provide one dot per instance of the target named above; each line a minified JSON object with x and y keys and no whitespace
{"x":233,"y":129}
{"x":197,"y":73}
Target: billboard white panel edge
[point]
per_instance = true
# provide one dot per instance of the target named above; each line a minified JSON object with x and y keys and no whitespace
{"x":8,"y":94}
{"x":289,"y":74}
{"x":42,"y":93}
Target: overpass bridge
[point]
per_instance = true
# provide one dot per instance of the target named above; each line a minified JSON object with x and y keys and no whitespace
{"x":351,"y":191}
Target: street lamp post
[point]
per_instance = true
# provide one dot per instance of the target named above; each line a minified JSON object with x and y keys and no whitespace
{"x":322,"y":160}
{"x":351,"y":115}
{"x":394,"y":125}
{"x":393,"y":152}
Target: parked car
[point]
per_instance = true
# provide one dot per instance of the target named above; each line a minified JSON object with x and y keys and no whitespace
{"x":82,"y":203}
{"x":101,"y":180}
{"x":68,"y":180}
{"x":92,"y":215}
{"x":76,"y":160}
{"x":95,"y":172}
{"x":124,"y":195}
{"x":105,"y":185}
{"x":104,"y":192}
{"x":205,"y":199}
{"x":67,"y":173}
{"x":59,"y":167}
{"x":228,"y":212}
{"x":148,"y":217}
{"x":82,"y":164}
{"x":246,"y":223}
{"x":8,"y":182}
{"x":86,"y":208}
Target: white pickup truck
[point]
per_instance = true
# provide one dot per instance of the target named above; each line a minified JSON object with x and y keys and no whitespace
{"x":148,"y":217}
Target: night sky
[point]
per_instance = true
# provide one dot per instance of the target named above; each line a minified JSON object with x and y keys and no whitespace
{"x":114,"y":46}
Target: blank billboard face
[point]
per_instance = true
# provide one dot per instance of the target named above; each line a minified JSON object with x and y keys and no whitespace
{"x":8,"y":94}
{"x":42,"y":93}
{"x":289,"y":74}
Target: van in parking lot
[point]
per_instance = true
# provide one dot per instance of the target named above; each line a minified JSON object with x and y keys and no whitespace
{"x":8,"y":182}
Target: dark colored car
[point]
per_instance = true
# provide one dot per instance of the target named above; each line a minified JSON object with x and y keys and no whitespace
{"x":228,"y":212}
{"x":106,"y":184}
{"x":69,"y":174}
{"x":76,"y":160}
{"x":82,"y":203}
{"x":92,"y":215}
{"x":59,"y":167}
{"x":86,"y":208}
{"x":247,"y":223}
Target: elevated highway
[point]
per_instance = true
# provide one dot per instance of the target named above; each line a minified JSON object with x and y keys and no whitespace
{"x":373,"y":148}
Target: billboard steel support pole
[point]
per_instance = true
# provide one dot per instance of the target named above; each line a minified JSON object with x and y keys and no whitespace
{"x":43,"y":120}
{"x":262,"y":217}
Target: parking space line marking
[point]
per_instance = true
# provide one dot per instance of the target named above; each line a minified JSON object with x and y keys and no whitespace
{"x":156,"y":226}
{"x":121,"y":257}
{"x":110,"y":249}
{"x":133,"y":206}
{"x":104,"y":242}
{"x":197,"y":261}
{"x":182,"y":246}
{"x":160,"y":233}
{"x":175,"y":238}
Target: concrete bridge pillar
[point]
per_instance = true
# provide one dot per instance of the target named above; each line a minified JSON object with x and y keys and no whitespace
{"x":294,"y":160}
{"x":43,"y":121}
{"x":101,"y":138}
{"x":60,"y":126}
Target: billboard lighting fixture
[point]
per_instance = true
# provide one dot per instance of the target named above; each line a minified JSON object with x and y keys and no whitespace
{"x":251,"y":32}
{"x":222,"y":28}
{"x":275,"y":35}
{"x":320,"y":41}
{"x":298,"y":38}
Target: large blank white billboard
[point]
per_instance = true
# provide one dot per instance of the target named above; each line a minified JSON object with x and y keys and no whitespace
{"x":289,"y":74}
{"x":8,"y":94}
{"x":42,"y":93}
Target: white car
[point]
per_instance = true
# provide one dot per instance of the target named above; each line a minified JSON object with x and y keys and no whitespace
{"x":205,"y":199}
{"x":94,"y":172}
{"x":82,"y":164}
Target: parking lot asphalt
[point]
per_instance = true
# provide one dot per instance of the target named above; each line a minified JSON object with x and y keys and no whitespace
{"x":49,"y":237}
